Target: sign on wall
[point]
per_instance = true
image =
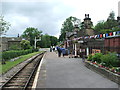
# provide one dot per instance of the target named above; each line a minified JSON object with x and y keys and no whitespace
{"x":95,"y":51}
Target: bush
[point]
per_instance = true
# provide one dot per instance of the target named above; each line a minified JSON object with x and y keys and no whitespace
{"x":105,"y":60}
{"x":89,"y":57}
{"x":97,"y":57}
{"x":110,"y":60}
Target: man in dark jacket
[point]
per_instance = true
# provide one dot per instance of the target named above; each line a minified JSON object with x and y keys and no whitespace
{"x":59,"y":51}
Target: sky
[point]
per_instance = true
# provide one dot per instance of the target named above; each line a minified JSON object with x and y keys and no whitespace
{"x":49,"y":15}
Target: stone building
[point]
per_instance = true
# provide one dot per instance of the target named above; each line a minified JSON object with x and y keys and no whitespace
{"x":7,"y":42}
{"x":77,"y":47}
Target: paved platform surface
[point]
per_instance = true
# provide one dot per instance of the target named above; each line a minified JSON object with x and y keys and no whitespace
{"x":64,"y":72}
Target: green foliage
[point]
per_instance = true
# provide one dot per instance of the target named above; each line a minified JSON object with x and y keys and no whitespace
{"x":106,"y":30}
{"x":97,"y":57}
{"x":47,"y":41}
{"x":117,"y":28}
{"x":117,"y":69}
{"x":67,"y":26}
{"x":110,"y":60}
{"x":62,"y":37}
{"x":30,"y":34}
{"x":10,"y":64}
{"x":99,"y":26}
{"x":25,"y":44}
{"x":107,"y":26}
{"x":7,"y":55}
{"x":53,"y":40}
{"x":4,"y":25}
{"x":89,"y":57}
{"x":106,"y":60}
{"x":14,"y":47}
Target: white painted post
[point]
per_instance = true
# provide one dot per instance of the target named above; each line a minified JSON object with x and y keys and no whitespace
{"x":35,"y":43}
{"x":73,"y":46}
{"x":75,"y":50}
{"x":87,"y":49}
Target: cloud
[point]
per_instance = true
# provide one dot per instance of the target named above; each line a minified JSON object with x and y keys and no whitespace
{"x":48,"y":15}
{"x":42,"y":15}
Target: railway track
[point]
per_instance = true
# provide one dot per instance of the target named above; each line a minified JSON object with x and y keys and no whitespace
{"x":23,"y":79}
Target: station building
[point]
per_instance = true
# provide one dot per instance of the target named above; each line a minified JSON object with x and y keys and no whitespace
{"x":82,"y":42}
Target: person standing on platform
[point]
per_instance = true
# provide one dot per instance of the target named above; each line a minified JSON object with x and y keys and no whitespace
{"x":59,"y":51}
{"x":50,"y":48}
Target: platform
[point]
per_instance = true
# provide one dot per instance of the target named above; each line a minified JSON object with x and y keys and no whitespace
{"x":64,"y":72}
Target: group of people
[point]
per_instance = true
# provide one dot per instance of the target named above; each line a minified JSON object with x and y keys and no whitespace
{"x":62,"y":51}
{"x":52,"y":48}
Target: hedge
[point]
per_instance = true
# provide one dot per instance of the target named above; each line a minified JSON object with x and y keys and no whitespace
{"x":7,"y":55}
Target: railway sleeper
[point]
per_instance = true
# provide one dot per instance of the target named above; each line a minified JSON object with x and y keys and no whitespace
{"x":26,"y":72}
{"x":21,"y":76}
{"x":12,"y":87}
{"x":18,"y":81}
{"x":24,"y":75}
{"x":15,"y":86}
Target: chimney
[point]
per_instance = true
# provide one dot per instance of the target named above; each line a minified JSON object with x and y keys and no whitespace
{"x":118,"y":18}
{"x":119,"y":9}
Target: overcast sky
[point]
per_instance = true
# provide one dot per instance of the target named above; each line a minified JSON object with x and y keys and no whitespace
{"x":48,"y":15}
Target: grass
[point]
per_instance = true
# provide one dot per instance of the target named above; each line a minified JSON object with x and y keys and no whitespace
{"x":10,"y":64}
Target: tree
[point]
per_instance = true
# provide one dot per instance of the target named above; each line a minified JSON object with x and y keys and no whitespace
{"x":111,"y":22}
{"x":67,"y":26}
{"x":47,"y":41}
{"x":4,"y":25}
{"x":62,"y":37}
{"x":53,"y":40}
{"x":30,"y":34}
{"x":107,"y":26}
{"x":99,"y":27}
{"x":25,"y":44}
